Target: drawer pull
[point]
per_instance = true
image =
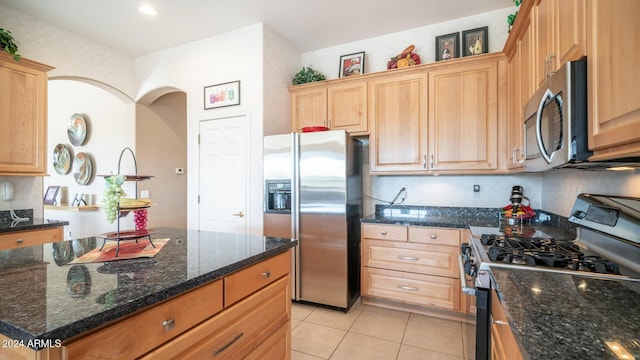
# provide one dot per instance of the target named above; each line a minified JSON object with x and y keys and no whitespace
{"x":410,"y":288}
{"x":433,"y":236}
{"x":266,"y":274}
{"x":383,"y":232}
{"x":19,"y":241}
{"x":169,"y":325}
{"x":408,"y":258}
{"x":218,"y":351}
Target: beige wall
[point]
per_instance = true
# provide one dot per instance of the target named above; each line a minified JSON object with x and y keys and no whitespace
{"x":161,"y":147}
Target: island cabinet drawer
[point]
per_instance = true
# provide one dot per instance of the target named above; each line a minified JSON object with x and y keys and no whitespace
{"x":237,"y":331}
{"x":384,"y":232}
{"x":276,"y":347}
{"x":19,"y":239}
{"x":424,"y":290}
{"x":416,"y":258}
{"x":244,"y":282}
{"x":146,"y":330}
{"x":438,"y":236}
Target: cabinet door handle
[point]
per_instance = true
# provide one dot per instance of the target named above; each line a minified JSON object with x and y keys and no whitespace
{"x":434,"y":236}
{"x":383,"y":232}
{"x":431,"y":161}
{"x":551,"y":70}
{"x":499,"y":322}
{"x":266,"y":274}
{"x":513,"y":155}
{"x":218,"y":351}
{"x":546,"y":68}
{"x":19,"y":241}
{"x":410,"y":288}
{"x":401,"y":257}
{"x":169,"y":325}
{"x":424,"y":161}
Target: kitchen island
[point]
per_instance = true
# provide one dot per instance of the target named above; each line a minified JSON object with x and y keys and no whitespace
{"x":198,"y":286}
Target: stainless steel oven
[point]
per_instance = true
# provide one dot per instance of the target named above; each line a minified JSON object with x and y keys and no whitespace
{"x":607,"y":246}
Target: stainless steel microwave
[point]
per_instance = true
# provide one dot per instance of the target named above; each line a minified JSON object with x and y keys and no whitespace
{"x":555,"y":127}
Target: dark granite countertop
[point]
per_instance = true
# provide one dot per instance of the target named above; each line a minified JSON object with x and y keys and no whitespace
{"x":32,"y":224}
{"x":38,"y":301}
{"x":466,"y":218}
{"x":567,"y":316}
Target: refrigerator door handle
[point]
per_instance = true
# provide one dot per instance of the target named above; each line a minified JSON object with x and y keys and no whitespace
{"x":295,"y":207}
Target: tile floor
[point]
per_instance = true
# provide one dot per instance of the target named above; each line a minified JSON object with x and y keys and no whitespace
{"x":373,"y":333}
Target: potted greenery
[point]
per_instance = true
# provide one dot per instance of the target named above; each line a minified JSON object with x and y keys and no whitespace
{"x":7,"y":44}
{"x":512,"y":17}
{"x":306,"y":75}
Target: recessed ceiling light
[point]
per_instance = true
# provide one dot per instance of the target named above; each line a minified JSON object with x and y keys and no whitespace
{"x":148,"y":10}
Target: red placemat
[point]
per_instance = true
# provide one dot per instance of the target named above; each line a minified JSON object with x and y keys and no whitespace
{"x":129,"y":249}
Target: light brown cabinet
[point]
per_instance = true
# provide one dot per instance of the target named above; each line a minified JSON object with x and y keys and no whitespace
{"x":338,"y":105}
{"x":398,"y":118}
{"x":559,"y":26}
{"x":515,"y":120}
{"x":503,"y":342}
{"x":23,"y":116}
{"x":18,"y":239}
{"x":439,"y":118}
{"x":252,"y":322}
{"x":411,"y":268}
{"x":613,"y":78}
{"x":463,"y":117}
{"x":547,"y":34}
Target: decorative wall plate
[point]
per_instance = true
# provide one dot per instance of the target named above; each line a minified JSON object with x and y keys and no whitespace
{"x":77,"y":129}
{"x":62,"y":159}
{"x":83,"y":168}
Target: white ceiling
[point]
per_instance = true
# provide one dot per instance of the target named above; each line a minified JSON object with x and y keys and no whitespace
{"x":307,"y":24}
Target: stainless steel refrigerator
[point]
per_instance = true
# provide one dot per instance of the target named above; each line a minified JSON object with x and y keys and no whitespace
{"x":313,"y":192}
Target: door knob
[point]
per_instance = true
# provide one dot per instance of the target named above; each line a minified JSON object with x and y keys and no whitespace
{"x":239,"y":214}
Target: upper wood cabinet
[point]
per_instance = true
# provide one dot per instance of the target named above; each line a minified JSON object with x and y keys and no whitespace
{"x":308,"y":107}
{"x":515,"y":120}
{"x":613,"y":78}
{"x":463,"y":117}
{"x":23,"y":116}
{"x":398,"y":117}
{"x":559,"y":27}
{"x":342,"y":105}
{"x":347,"y":106}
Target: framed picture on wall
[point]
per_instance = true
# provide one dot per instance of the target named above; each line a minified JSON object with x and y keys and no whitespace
{"x":447,"y":46}
{"x":221,"y":95}
{"x":352,"y":64}
{"x":475,"y":41}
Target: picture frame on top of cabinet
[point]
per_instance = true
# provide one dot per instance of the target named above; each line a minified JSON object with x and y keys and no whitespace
{"x":447,"y":46}
{"x":221,"y":95}
{"x":475,"y":41}
{"x":352,"y":64}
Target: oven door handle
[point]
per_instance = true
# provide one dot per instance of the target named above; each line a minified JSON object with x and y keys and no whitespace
{"x":463,"y":278}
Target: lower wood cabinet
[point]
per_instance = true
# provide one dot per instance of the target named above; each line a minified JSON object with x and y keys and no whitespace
{"x":245,"y":315}
{"x":503,"y":342}
{"x":423,"y":290}
{"x":18,"y":239}
{"x":137,"y":334}
{"x":413,"y":266}
{"x":239,"y":331}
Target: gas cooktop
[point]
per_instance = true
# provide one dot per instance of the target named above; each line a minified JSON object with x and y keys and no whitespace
{"x":549,"y":252}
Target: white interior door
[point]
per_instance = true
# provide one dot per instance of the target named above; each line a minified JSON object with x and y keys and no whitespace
{"x":223,"y":174}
